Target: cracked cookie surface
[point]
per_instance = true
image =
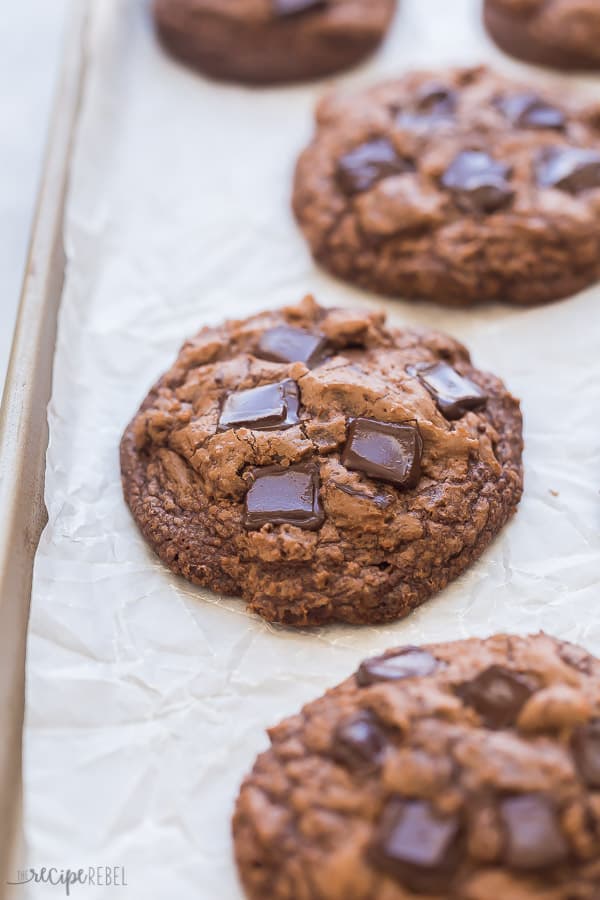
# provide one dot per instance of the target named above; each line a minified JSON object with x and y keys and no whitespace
{"x":457,"y":186}
{"x":271,"y":41}
{"x":563,"y":34}
{"x":322,"y":465}
{"x":458,"y":771}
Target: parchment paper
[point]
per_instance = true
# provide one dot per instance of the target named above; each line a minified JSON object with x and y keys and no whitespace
{"x":148,"y":698}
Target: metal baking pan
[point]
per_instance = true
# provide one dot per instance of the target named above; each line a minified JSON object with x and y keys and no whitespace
{"x":24,"y":433}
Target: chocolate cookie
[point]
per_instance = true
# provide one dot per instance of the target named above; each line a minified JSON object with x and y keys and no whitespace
{"x":270,"y":41}
{"x":564,"y":34}
{"x":461,"y":771}
{"x":321,"y":465}
{"x":456,"y":186}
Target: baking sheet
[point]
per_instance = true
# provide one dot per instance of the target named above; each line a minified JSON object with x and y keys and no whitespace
{"x":147,"y":698}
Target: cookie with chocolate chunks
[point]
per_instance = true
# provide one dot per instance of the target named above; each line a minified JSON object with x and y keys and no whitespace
{"x":458,"y":186}
{"x":398,"y":788}
{"x":323,"y":466}
{"x":562,"y":34}
{"x":272,"y":41}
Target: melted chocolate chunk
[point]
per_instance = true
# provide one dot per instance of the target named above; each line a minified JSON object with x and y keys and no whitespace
{"x":381,"y":501}
{"x":434,"y":103}
{"x":530,"y":111}
{"x":497,"y":694}
{"x":454,"y":394}
{"x":576,"y":657}
{"x":358,"y":742}
{"x":416,"y":846}
{"x":586,"y":749}
{"x":478,"y":183}
{"x":385,"y":451}
{"x":533,"y":838}
{"x":369,"y":163}
{"x":280,"y":496}
{"x":435,"y":99}
{"x":408,"y":662}
{"x":569,"y":169}
{"x":285,"y":344}
{"x":265,"y":408}
{"x":285,"y":8}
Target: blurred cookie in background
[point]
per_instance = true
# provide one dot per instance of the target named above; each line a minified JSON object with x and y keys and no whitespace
{"x":272,"y":41}
{"x":563,"y":34}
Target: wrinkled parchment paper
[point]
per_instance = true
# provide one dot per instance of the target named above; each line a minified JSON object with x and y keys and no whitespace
{"x":148,"y":698}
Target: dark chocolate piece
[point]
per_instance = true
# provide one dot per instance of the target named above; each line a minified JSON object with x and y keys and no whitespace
{"x":533,"y":838}
{"x":286,"y":344}
{"x":454,"y":394}
{"x":385,"y":451}
{"x":358,"y":742}
{"x":285,"y":8}
{"x":586,"y":749}
{"x":368,"y":163}
{"x":284,"y":496}
{"x":497,"y":694}
{"x":436,"y":100}
{"x":382,"y":501}
{"x":478,"y":183}
{"x":408,"y":662}
{"x":434,"y":103}
{"x":530,"y":111}
{"x":569,"y":169}
{"x":576,"y":657}
{"x":416,"y":846}
{"x":265,"y":408}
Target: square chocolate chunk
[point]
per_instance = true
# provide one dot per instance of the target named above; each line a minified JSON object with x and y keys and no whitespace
{"x":285,"y":8}
{"x":585,"y":744}
{"x":280,"y":496}
{"x":572,"y":169}
{"x":369,"y":163}
{"x":454,"y":394}
{"x":417,"y":846}
{"x":269,"y":407}
{"x":385,"y":451}
{"x":534,"y":837}
{"x":406,"y":662}
{"x":285,"y":344}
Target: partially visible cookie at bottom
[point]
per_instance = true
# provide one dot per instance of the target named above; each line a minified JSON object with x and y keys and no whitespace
{"x":458,"y":771}
{"x":322,"y":464}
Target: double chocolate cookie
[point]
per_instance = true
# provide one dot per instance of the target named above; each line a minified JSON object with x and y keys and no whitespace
{"x":321,"y":465}
{"x":461,"y":771}
{"x":564,"y":34}
{"x":456,"y":186}
{"x":270,"y":41}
